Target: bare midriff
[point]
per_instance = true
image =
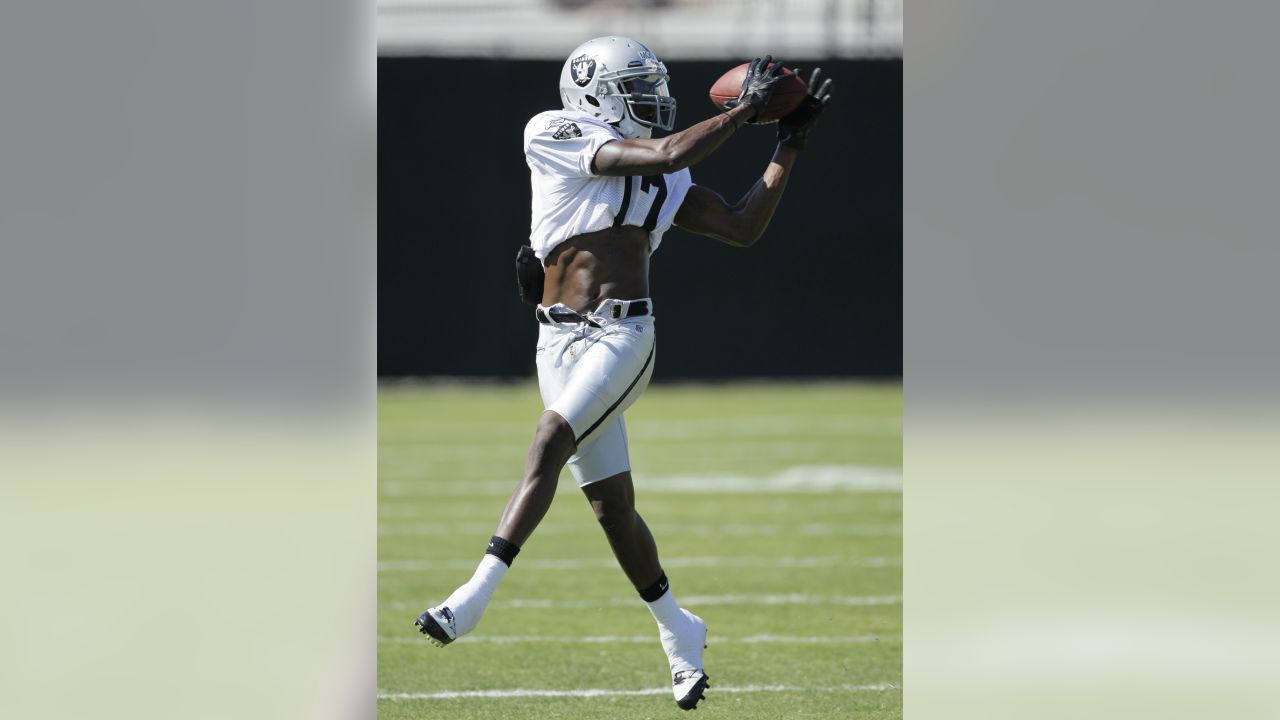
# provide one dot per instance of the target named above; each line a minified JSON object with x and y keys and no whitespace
{"x":588,"y":268}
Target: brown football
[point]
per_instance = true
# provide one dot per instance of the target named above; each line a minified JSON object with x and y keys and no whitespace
{"x":787,"y":94}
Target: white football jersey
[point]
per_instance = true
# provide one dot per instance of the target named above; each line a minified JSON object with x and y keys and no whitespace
{"x":568,"y":200}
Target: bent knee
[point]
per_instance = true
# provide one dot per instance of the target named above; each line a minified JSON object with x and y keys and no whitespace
{"x":553,"y":441}
{"x":553,"y":429}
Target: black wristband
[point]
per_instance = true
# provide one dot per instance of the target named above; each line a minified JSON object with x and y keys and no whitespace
{"x":503,"y":550}
{"x":656,"y":590}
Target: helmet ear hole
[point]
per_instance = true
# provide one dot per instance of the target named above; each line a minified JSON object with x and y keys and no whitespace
{"x":591,"y":99}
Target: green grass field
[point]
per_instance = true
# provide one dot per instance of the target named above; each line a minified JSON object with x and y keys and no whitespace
{"x":777,"y":509}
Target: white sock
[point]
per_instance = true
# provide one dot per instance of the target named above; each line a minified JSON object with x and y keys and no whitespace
{"x":667,"y":611}
{"x":468,"y":602}
{"x":674,"y":624}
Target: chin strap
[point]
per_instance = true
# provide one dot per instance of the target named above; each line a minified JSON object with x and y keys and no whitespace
{"x":632,"y":136}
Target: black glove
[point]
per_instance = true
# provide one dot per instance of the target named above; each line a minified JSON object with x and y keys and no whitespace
{"x":793,"y":130}
{"x":757,"y":86}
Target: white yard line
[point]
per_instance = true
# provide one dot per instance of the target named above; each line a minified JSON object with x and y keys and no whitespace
{"x":691,"y":601}
{"x":790,"y":599}
{"x":515,"y":435}
{"x":643,"y":639}
{"x":605,"y":692}
{"x":406,"y":462}
{"x":705,"y":600}
{"x":768,"y":426}
{"x":798,"y":479}
{"x":674,"y":562}
{"x":743,"y":529}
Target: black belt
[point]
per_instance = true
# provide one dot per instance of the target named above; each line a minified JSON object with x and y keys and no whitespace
{"x":633,"y":309}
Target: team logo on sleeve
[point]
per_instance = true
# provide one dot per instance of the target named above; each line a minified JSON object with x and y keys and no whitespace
{"x":567,"y":130}
{"x":582,"y":68}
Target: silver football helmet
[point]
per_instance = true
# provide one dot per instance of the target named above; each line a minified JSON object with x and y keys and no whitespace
{"x":620,"y":81}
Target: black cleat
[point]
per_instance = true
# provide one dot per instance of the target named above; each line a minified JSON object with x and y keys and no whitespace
{"x":694,"y":693}
{"x":436,"y":624}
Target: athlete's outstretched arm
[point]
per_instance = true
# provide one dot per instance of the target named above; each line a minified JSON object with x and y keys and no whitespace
{"x":692,"y":145}
{"x":705,"y":212}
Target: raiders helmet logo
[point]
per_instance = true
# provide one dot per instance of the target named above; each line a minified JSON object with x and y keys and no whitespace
{"x":568,"y":130}
{"x":582,"y":69}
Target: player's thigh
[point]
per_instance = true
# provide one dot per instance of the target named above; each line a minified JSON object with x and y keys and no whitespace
{"x":607,"y":455}
{"x":607,"y":379}
{"x":553,"y":361}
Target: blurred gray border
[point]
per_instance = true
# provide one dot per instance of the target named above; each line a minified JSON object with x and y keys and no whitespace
{"x":188,"y":203}
{"x":1091,"y":355}
{"x":187,"y":359}
{"x":1090,"y":202}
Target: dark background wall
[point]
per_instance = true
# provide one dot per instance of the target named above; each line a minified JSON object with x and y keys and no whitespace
{"x":819,"y":295}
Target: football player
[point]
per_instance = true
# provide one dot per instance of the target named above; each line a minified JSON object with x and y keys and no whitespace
{"x":604,"y":193}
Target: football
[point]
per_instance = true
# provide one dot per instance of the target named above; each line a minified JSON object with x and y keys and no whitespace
{"x":787,"y":94}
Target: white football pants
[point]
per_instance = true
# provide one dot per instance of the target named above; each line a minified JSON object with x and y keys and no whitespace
{"x":590,"y":376}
